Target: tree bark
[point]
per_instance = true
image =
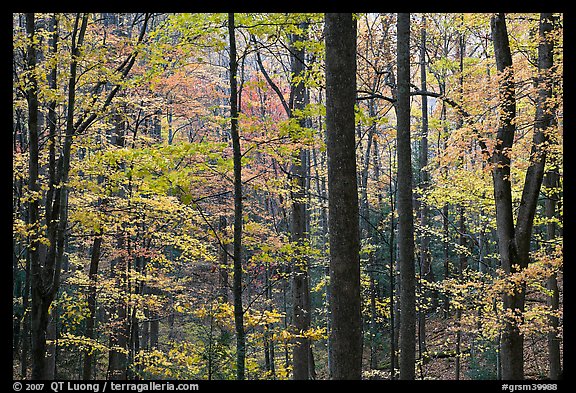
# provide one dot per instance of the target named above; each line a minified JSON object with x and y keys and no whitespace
{"x":345,"y":349}
{"x":41,"y":297}
{"x":404,"y":202}
{"x":91,"y":318}
{"x":119,"y":335}
{"x":237,"y":157}
{"x":300,"y":289}
{"x":544,"y":119}
{"x":554,"y":360}
{"x":426,"y":271}
{"x":223,"y":282}
{"x":514,"y":241}
{"x":512,"y":341}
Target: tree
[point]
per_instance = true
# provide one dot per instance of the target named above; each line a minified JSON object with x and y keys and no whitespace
{"x":426,"y":272}
{"x":300,"y":283}
{"x":49,"y":226}
{"x":514,"y":239}
{"x":39,"y":307}
{"x":345,"y":349}
{"x":404,"y":202}
{"x":237,"y":158}
{"x":544,"y":121}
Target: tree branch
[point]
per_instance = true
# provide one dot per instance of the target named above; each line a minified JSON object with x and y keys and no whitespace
{"x":271,"y":82}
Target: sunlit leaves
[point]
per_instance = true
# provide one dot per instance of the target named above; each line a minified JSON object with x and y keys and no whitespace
{"x":478,"y":297}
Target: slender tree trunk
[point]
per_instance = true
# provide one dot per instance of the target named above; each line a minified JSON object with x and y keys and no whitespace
{"x":117,"y":359}
{"x":425,"y":257}
{"x":237,"y":157}
{"x":554,"y":361}
{"x":345,"y":349}
{"x":458,"y":355}
{"x":118,"y":337}
{"x":445,"y":217}
{"x":223,"y":268}
{"x":405,"y":200}
{"x":51,"y":118}
{"x":462,"y":264}
{"x":392,"y":268}
{"x":300,"y":290}
{"x":268,"y":342}
{"x":25,"y":334}
{"x":91,"y":318}
{"x":445,"y":249}
{"x":379,"y":289}
{"x":366,"y":233}
{"x":544,"y":119}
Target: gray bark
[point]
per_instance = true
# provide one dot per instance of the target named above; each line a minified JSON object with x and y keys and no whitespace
{"x":299,"y":172}
{"x":405,"y":205}
{"x":551,"y":180}
{"x":345,"y":346}
{"x":514,"y":241}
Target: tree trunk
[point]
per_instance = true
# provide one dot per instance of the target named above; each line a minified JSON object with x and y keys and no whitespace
{"x":366,"y":234}
{"x":545,"y":119}
{"x":91,"y":318}
{"x":512,"y":341}
{"x":345,"y":349}
{"x":117,"y":359}
{"x":405,"y":218}
{"x":223,"y":268}
{"x":554,"y":360}
{"x":392,"y":268}
{"x":41,"y":298}
{"x":300,"y":290}
{"x":514,"y":241}
{"x":425,"y":258}
{"x":237,"y":157}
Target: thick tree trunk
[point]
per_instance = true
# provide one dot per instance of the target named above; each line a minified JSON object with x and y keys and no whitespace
{"x":44,"y":268}
{"x":512,"y":341}
{"x":38,"y":318}
{"x":405,"y":218}
{"x":345,"y":349}
{"x":514,"y":241}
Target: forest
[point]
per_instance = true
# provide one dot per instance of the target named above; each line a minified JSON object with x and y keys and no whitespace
{"x":287,"y":196}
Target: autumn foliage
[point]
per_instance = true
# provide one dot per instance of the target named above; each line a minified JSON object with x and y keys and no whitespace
{"x":146,"y":265}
